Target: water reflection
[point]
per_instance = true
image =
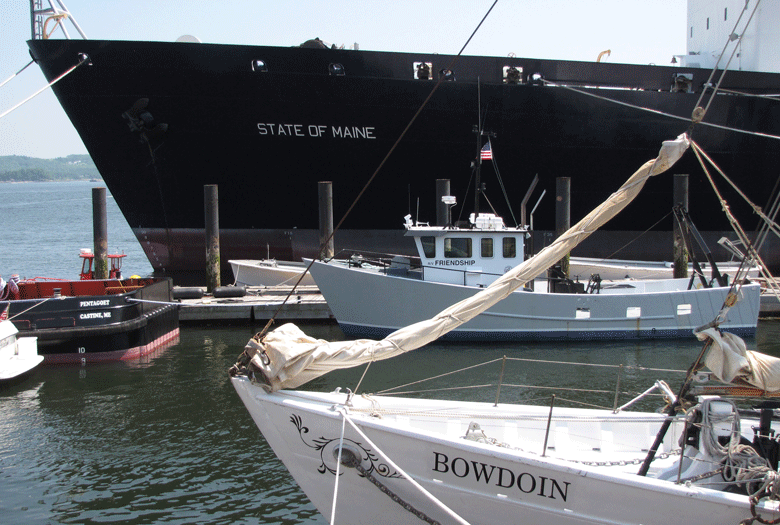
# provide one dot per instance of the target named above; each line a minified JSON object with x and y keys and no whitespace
{"x":167,"y":439}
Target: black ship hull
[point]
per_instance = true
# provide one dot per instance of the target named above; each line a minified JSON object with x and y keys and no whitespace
{"x":265,"y":124}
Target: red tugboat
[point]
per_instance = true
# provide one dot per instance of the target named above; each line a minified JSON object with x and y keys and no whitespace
{"x":93,"y":320}
{"x":114,"y":259}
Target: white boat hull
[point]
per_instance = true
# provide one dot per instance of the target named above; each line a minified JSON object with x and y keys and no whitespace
{"x":479,"y":482}
{"x":269,"y":272}
{"x":368,"y":303}
{"x":611,"y":269}
{"x":18,"y":355}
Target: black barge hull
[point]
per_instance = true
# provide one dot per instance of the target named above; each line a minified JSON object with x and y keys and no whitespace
{"x":113,"y":326}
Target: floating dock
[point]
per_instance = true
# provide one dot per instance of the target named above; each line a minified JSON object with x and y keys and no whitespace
{"x":259,"y":304}
{"x":308,"y":304}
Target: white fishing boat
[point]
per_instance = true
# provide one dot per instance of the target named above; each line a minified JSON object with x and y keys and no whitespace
{"x":582,"y":268}
{"x":455,"y":263}
{"x":18,"y":355}
{"x":366,"y":459}
{"x":269,"y":272}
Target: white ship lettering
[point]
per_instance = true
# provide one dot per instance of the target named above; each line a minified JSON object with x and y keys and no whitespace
{"x":95,"y":315}
{"x":89,"y":304}
{"x":275,"y":129}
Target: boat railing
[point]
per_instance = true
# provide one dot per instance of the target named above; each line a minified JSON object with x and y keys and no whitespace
{"x":386,"y":262}
{"x":503,"y":378}
{"x":557,"y":282}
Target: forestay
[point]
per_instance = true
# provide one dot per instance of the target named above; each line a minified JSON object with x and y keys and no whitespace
{"x":288,"y":358}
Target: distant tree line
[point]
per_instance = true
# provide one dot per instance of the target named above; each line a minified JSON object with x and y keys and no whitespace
{"x":26,"y":174}
{"x":15,"y":168}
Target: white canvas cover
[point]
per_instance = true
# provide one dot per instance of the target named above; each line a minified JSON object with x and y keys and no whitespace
{"x":731,"y":362}
{"x":288,"y":358}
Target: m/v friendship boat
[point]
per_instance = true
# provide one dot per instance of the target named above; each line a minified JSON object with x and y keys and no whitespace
{"x":162,"y":119}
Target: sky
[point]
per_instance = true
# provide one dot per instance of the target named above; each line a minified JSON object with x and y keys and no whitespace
{"x":635,"y":31}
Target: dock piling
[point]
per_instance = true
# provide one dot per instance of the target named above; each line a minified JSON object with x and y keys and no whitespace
{"x":100,"y":232}
{"x":325,"y":193}
{"x":211,"y":210}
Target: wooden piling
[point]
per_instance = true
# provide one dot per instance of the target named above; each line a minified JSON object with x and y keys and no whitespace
{"x":325,"y":192}
{"x":211,"y":211}
{"x":100,"y":232}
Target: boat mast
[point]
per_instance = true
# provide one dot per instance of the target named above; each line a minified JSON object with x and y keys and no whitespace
{"x":477,"y":183}
{"x":480,"y":131}
{"x":40,"y":17}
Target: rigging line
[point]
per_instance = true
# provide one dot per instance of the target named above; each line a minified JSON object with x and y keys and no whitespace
{"x":733,"y":52}
{"x":15,"y":74}
{"x":596,"y":365}
{"x":756,"y":209}
{"x":751,"y":251}
{"x":503,"y":189}
{"x":489,"y":204}
{"x":635,"y":238}
{"x":439,"y":376}
{"x":772,"y":96}
{"x":28,"y":309}
{"x":82,"y":58}
{"x":378,"y":169}
{"x":723,"y":51}
{"x":658,"y":112}
{"x":465,"y":197}
{"x":774,"y":205}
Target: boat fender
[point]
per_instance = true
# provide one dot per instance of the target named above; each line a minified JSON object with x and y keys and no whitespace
{"x":187,"y":293}
{"x":230,"y":291}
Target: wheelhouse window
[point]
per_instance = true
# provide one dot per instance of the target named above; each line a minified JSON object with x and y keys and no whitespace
{"x":458,"y":247}
{"x":428,"y":246}
{"x":486,"y":247}
{"x":510,"y":247}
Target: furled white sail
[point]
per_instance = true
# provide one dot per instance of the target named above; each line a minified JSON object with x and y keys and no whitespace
{"x":731,"y":362}
{"x":288,"y":358}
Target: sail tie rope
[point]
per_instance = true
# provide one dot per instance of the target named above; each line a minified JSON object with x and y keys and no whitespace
{"x":350,"y":460}
{"x":83,"y":58}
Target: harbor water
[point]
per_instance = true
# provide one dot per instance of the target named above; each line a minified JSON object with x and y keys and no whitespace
{"x":165,"y":439}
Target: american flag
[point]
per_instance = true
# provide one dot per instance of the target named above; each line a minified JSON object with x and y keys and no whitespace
{"x":4,"y":315}
{"x":486,"y":153}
